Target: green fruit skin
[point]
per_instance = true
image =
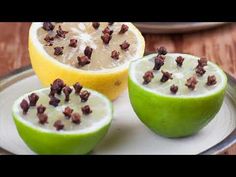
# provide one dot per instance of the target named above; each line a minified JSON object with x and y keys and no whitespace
{"x":173,"y":117}
{"x":58,"y":143}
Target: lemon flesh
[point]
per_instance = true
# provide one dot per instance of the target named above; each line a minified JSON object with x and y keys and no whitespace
{"x":181,"y":114}
{"x":86,"y":35}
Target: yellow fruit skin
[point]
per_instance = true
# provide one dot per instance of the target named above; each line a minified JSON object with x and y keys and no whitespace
{"x":109,"y":84}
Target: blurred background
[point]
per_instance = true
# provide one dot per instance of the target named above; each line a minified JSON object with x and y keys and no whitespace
{"x":216,"y":41}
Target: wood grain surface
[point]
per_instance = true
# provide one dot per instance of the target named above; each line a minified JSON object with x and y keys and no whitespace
{"x":217,"y":44}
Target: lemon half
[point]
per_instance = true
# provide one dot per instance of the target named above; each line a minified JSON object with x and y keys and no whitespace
{"x":109,"y":81}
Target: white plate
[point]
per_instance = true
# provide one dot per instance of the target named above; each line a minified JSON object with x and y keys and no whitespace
{"x":127,"y":134}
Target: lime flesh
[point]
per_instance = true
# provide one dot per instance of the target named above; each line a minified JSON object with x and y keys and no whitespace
{"x":177,"y":115}
{"x":74,"y":138}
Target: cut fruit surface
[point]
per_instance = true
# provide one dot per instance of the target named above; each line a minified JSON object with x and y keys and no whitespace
{"x":63,"y":49}
{"x":60,"y":133}
{"x":179,"y":74}
{"x":86,"y":35}
{"x":175,"y":101}
{"x":100,"y":106}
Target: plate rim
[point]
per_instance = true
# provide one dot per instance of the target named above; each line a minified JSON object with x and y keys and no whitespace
{"x":173,"y":27}
{"x":26,"y":71}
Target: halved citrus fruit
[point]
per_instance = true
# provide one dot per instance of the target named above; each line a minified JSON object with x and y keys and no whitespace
{"x":52,"y":123}
{"x":95,"y":54}
{"x":174,"y":94}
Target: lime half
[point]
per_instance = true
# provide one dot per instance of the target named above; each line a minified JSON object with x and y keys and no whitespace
{"x":70,"y":136}
{"x":176,"y":100}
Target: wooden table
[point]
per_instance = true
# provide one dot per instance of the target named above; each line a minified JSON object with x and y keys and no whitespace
{"x":218,"y":44}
